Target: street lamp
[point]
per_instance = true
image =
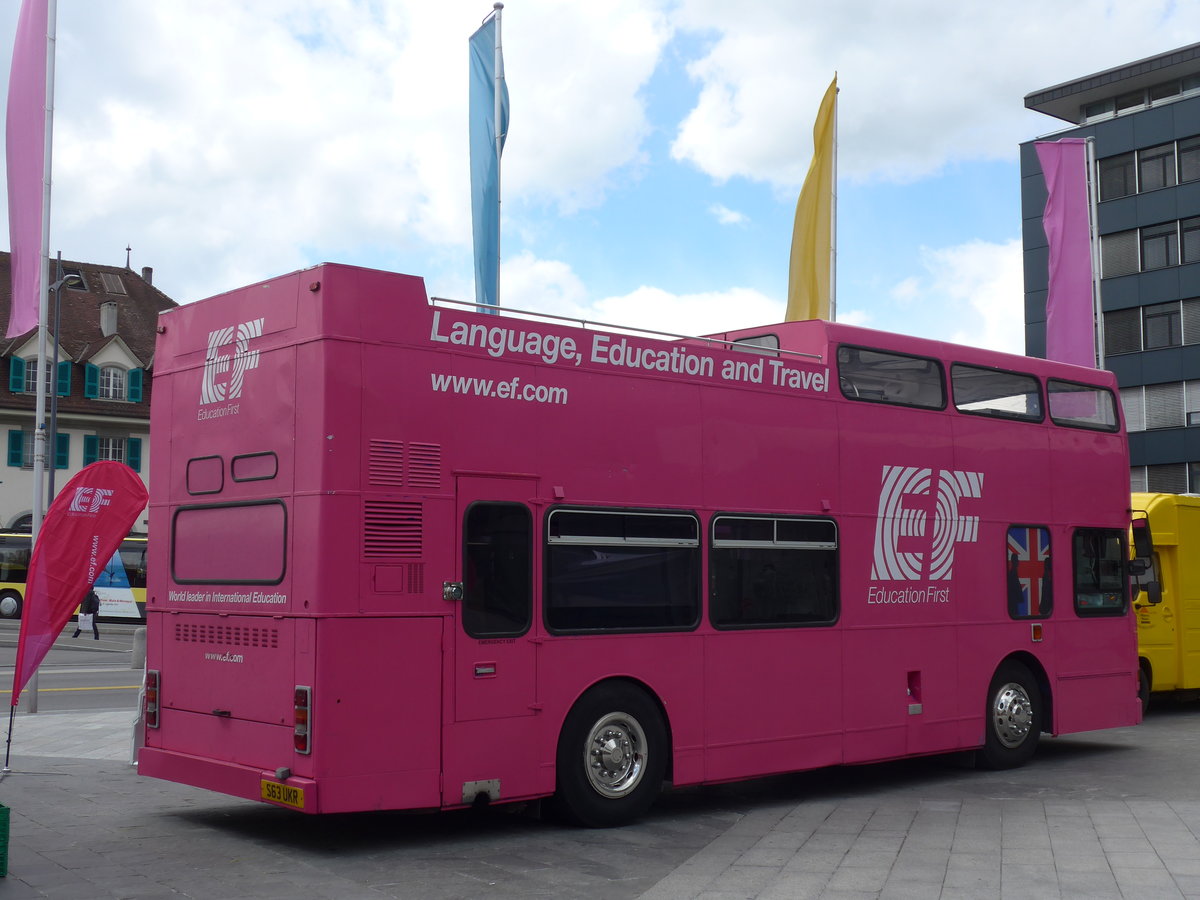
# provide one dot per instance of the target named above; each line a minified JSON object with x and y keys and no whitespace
{"x":53,"y":454}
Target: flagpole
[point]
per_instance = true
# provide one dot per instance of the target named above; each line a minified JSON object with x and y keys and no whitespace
{"x":1093,"y":241}
{"x":833,"y":216}
{"x":39,"y":416}
{"x":498,"y":79}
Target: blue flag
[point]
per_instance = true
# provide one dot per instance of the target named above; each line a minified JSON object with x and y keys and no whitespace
{"x":487,"y":69}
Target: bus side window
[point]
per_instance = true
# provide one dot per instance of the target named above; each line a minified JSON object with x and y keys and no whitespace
{"x":1100,"y":571}
{"x":1028,"y":572}
{"x":768,"y":572}
{"x":899,"y":379}
{"x":498,"y":566}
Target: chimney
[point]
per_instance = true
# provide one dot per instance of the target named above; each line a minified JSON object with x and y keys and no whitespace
{"x":147,"y":275}
{"x":108,"y":318}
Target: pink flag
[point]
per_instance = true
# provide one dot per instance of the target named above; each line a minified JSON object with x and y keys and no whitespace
{"x":1070,"y":324}
{"x":26,"y":144}
{"x":83,"y":528}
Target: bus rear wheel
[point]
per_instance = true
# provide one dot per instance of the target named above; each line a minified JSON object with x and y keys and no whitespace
{"x":1014,"y":717}
{"x":10,"y":605}
{"x":612,"y":756}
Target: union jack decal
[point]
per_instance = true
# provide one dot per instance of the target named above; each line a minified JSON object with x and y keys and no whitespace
{"x":1029,"y":592}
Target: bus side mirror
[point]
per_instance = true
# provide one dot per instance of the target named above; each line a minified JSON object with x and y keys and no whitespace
{"x":1143,"y":542}
{"x":1152,"y":590}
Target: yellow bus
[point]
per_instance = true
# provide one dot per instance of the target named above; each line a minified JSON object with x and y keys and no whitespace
{"x":121,"y":585}
{"x":1168,"y":598}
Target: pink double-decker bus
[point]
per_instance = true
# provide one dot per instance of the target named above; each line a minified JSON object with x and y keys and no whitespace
{"x":410,"y":555}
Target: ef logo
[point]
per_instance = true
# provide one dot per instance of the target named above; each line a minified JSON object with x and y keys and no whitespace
{"x":908,"y":501}
{"x":227,"y":361}
{"x":89,"y":500}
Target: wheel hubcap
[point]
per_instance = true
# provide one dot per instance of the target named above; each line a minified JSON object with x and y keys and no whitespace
{"x":1012,"y":715}
{"x":615,"y":755}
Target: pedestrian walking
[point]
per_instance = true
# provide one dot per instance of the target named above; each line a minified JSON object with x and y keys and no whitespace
{"x":89,"y":610}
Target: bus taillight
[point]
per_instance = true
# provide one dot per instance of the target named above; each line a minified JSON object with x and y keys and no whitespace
{"x":302,"y":706}
{"x":151,"y":710}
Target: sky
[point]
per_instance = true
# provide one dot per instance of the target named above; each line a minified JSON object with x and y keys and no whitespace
{"x":655,"y":153}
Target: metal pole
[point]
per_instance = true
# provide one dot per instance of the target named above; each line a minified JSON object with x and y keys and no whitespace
{"x":833,"y":216}
{"x":498,"y":80}
{"x":1094,"y":247}
{"x":39,"y":418}
{"x":53,"y":436}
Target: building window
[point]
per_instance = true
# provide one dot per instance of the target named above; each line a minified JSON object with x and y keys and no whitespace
{"x":31,"y":377}
{"x":112,"y":383}
{"x":1156,"y":167}
{"x":1191,"y":320}
{"x":1122,"y":331}
{"x":1164,"y":405}
{"x":1164,"y":325}
{"x":1160,"y":246}
{"x":75,"y":280}
{"x":112,"y":283}
{"x":1130,"y":100}
{"x":1117,"y":177}
{"x":1189,"y":159}
{"x":1191,"y":402}
{"x":1133,"y":402}
{"x":1190,"y":237}
{"x":119,"y":449}
{"x":111,"y":448}
{"x":1169,"y":478}
{"x":1119,"y":253}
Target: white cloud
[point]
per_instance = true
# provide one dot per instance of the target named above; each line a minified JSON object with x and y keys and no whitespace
{"x":727,"y":216}
{"x":550,"y":286}
{"x":230,"y":141}
{"x":923,"y":84}
{"x":977,"y":289}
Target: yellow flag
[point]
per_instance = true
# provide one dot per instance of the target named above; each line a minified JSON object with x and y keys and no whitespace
{"x":812,"y":235}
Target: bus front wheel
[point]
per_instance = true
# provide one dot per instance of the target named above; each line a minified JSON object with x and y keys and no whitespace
{"x":10,"y":605}
{"x":611,"y":757}
{"x":1014,"y":717}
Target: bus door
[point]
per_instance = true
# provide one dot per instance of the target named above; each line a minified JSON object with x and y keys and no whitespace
{"x":495,"y":661}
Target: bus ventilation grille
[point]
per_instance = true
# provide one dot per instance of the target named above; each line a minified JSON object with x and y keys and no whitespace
{"x":417,"y":466}
{"x":227,"y":635}
{"x":391,"y":530}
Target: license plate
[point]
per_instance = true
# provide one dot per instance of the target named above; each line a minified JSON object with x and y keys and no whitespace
{"x":283,"y":793}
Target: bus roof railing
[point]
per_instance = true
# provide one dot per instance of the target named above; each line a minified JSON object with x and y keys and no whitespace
{"x":627,"y":329}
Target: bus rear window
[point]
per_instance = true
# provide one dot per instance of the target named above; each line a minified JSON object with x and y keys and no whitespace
{"x":621,"y":571}
{"x":1082,"y":405}
{"x":883,"y":377}
{"x":226,"y":543}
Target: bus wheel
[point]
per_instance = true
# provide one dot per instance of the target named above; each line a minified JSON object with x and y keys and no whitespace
{"x":611,"y":757}
{"x":10,"y":605}
{"x":1144,"y":688}
{"x":1014,"y":717}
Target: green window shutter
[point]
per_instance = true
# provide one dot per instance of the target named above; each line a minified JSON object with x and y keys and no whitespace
{"x":64,"y":378}
{"x":133,"y":453}
{"x":16,"y":448}
{"x":91,"y":381}
{"x":135,"y":385}
{"x":62,"y":451}
{"x":16,"y":374}
{"x":91,"y":449}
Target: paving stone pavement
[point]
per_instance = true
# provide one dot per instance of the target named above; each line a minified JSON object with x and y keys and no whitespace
{"x":1107,"y":815}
